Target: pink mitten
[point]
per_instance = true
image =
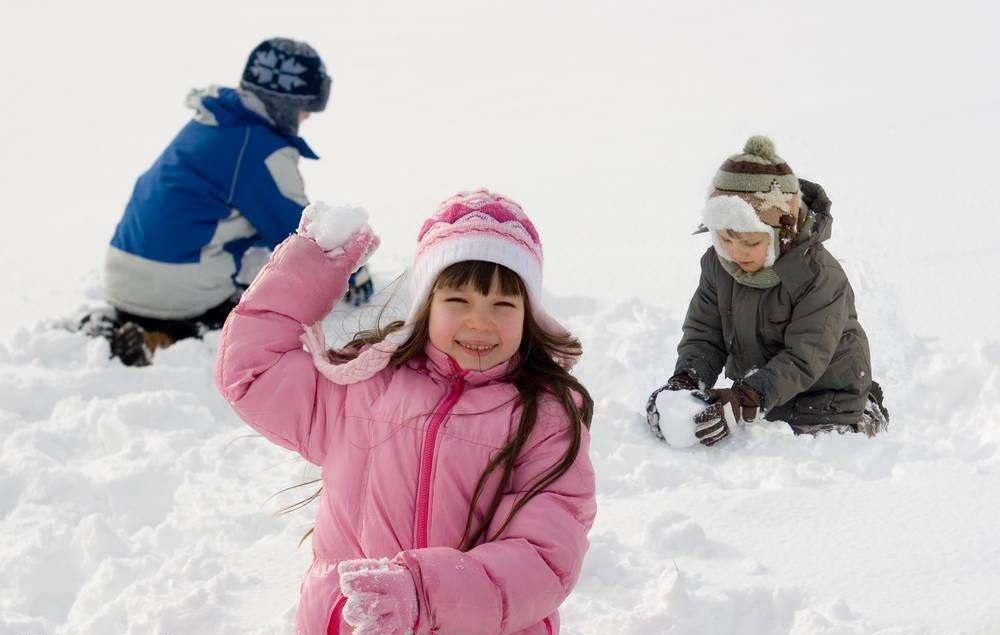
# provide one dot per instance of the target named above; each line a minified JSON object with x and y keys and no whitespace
{"x":381,"y":597}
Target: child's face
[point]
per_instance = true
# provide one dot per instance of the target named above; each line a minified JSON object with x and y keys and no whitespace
{"x":478,"y":331}
{"x":746,"y":249}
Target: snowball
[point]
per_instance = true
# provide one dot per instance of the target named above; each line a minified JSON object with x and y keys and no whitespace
{"x":677,"y":409}
{"x":331,"y":226}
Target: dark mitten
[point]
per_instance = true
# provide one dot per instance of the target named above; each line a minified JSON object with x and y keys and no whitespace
{"x":729,"y":406}
{"x":710,"y":425}
{"x":653,"y":415}
{"x":743,"y":401}
{"x":684,"y":380}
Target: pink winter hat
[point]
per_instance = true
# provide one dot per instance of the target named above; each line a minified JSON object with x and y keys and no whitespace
{"x":478,"y":225}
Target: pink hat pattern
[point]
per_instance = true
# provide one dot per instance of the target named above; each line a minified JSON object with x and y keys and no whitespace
{"x":484,"y":211}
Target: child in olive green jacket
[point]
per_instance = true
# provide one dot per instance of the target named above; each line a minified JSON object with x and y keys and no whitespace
{"x":775,"y":309}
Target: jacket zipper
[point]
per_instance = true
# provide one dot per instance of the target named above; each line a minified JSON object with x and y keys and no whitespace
{"x":333,"y":628}
{"x":427,"y":460}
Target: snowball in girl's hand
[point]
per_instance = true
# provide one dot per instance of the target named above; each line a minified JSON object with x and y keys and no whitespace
{"x":677,"y":409}
{"x":331,"y":226}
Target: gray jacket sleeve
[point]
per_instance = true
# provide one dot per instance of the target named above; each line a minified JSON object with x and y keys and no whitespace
{"x":702,"y":348}
{"x":817,"y":323}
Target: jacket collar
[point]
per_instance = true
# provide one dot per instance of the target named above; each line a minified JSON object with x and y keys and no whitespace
{"x":793,"y":267}
{"x":440,"y":363}
{"x":229,"y":109}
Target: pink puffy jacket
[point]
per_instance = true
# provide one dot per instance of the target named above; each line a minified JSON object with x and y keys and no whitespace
{"x":401,"y":454}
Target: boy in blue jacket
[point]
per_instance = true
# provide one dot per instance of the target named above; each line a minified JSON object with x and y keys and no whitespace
{"x":202,"y":220}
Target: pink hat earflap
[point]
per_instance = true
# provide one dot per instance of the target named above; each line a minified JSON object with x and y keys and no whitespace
{"x":367,"y":364}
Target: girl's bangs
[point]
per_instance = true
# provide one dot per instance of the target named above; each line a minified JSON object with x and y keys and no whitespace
{"x":480,"y":274}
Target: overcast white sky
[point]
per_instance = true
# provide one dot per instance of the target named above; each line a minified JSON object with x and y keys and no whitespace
{"x":606,"y":119}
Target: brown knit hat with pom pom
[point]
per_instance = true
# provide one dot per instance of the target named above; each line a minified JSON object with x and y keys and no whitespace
{"x":762,"y":178}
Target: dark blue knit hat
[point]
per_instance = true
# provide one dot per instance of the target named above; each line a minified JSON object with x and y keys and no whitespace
{"x":288,"y":72}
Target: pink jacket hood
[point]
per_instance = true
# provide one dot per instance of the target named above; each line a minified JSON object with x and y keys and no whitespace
{"x":401,"y":454}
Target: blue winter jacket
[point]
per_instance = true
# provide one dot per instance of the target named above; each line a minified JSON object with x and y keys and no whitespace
{"x":228,"y":181}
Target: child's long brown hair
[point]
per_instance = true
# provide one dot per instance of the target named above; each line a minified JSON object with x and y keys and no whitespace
{"x":535,"y":373}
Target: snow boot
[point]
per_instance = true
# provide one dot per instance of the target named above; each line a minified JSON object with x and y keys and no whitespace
{"x":128,"y":343}
{"x":135,"y":345}
{"x":875,"y":418}
{"x":97,"y":323}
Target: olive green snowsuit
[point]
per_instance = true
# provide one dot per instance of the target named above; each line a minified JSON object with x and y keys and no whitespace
{"x":798,"y":344}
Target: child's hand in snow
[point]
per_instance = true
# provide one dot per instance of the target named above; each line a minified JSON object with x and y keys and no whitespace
{"x":381,"y":597}
{"x":712,"y":424}
{"x":338,"y":230}
{"x":684,"y":380}
{"x":742,"y":401}
{"x":730,"y":406}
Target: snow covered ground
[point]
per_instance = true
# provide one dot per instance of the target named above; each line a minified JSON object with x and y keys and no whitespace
{"x":133,"y":501}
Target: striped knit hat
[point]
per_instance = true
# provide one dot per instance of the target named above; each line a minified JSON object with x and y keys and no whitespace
{"x":478,"y":225}
{"x":755,"y":191}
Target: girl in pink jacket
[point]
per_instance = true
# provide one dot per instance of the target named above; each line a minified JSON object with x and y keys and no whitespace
{"x":457,"y":487}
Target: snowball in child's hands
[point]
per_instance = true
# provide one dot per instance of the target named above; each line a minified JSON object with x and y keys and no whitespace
{"x":331,"y":226}
{"x":677,"y":409}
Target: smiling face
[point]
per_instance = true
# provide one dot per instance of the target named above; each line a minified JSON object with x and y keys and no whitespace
{"x":749,"y":250}
{"x":479,"y":326}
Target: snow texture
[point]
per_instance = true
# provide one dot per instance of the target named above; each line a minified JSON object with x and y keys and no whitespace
{"x":134,"y":501}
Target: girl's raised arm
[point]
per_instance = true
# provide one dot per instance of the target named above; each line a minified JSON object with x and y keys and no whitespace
{"x":261,"y":368}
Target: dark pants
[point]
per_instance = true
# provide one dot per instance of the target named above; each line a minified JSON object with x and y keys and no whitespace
{"x":210,"y":320}
{"x":834,"y":411}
